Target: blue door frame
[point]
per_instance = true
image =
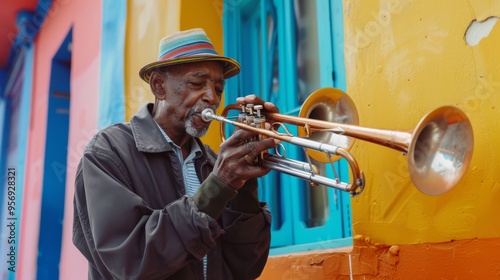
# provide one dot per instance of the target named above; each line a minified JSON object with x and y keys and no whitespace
{"x":54,"y":177}
{"x":260,"y":34}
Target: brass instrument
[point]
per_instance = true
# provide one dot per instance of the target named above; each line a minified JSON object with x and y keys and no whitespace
{"x":439,"y":149}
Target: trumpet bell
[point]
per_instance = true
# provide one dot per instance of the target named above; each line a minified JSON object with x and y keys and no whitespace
{"x":334,"y":106}
{"x":441,"y":150}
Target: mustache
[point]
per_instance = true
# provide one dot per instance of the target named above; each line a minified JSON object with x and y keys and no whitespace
{"x":198,"y":109}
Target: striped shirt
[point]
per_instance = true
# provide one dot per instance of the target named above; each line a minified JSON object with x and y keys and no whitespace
{"x":191,"y":181}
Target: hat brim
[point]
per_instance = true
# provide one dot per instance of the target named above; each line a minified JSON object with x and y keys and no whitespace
{"x":231,"y":66}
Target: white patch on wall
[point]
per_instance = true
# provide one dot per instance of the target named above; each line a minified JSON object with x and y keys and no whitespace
{"x":478,"y":30}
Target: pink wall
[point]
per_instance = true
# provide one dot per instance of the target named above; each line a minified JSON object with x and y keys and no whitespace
{"x":85,"y":19}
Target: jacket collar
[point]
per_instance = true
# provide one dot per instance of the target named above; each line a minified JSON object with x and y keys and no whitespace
{"x":147,"y":136}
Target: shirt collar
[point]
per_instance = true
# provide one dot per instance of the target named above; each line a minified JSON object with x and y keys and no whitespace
{"x":195,"y":149}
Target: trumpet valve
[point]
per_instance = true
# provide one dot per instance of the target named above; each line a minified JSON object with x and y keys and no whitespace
{"x":250,"y":109}
{"x":258,"y":108}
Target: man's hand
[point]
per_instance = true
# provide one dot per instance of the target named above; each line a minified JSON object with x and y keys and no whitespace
{"x":235,"y":163}
{"x":254,"y":99}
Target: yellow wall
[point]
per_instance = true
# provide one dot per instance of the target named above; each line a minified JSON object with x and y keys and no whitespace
{"x":404,"y":58}
{"x":147,"y":23}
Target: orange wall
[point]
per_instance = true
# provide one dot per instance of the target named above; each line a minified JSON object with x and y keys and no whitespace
{"x":464,"y":259}
{"x":84,"y":17}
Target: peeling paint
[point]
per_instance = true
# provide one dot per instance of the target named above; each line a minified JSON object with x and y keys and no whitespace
{"x":478,"y":30}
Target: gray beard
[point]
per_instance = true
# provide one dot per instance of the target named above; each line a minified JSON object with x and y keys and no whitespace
{"x":190,"y":128}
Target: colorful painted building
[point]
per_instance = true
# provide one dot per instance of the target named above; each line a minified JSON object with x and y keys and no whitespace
{"x":70,"y":67}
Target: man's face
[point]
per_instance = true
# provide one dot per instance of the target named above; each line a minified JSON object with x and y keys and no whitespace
{"x":190,"y":88}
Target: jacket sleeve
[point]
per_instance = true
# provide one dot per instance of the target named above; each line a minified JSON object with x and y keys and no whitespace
{"x":247,"y":233}
{"x":122,"y":237}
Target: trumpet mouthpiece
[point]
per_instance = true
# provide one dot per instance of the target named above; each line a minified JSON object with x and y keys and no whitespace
{"x":207,"y":114}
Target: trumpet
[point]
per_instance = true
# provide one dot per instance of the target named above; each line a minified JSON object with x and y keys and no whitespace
{"x":439,"y":149}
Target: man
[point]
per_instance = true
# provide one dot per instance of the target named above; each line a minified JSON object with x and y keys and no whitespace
{"x":153,"y":202}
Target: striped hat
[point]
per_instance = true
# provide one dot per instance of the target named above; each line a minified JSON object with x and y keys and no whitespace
{"x":188,"y":46}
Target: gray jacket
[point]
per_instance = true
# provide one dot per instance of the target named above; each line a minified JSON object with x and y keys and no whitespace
{"x":132,"y":219}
